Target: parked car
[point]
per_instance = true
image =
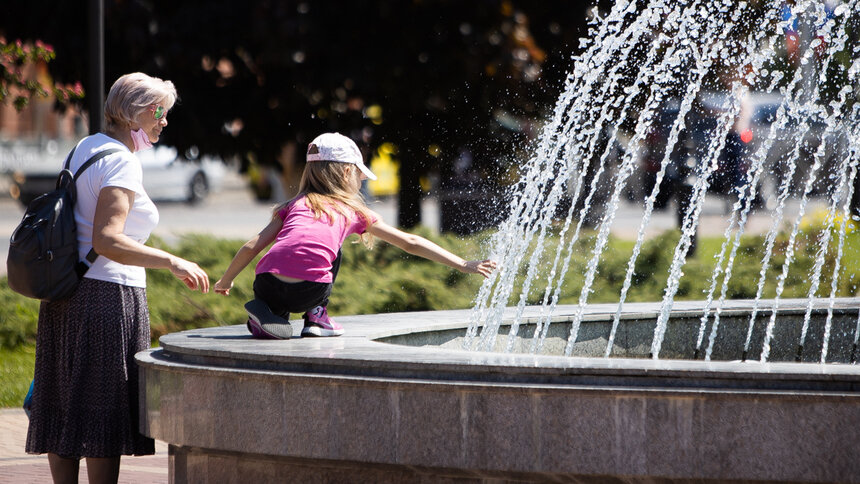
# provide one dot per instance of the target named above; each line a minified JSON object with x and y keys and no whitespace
{"x":789,"y":140}
{"x":166,"y":176}
{"x":760,"y":110}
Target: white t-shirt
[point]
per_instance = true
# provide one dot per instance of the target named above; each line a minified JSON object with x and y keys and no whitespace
{"x":121,"y":169}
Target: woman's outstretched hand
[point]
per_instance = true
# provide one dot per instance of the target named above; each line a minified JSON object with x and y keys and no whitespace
{"x":482,"y":267}
{"x":191,"y":274}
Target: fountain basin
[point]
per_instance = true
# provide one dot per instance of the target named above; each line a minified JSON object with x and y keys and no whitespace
{"x":361,"y":408}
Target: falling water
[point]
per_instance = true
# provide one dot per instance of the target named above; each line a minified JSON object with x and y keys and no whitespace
{"x":737,"y":223}
{"x":846,"y":213}
{"x":640,"y":57}
{"x":824,"y":245}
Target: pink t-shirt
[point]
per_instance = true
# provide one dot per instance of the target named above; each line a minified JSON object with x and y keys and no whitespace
{"x":306,"y":248}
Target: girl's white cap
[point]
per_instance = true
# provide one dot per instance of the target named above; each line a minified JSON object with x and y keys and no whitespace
{"x":337,"y":147}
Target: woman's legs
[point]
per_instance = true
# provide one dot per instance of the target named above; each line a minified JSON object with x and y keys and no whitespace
{"x":63,"y":470}
{"x":103,"y":470}
{"x":100,"y":470}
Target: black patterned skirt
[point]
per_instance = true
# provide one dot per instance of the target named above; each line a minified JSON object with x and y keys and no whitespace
{"x":85,"y":396}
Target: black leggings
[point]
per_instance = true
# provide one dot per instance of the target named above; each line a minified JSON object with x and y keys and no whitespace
{"x":284,"y":298}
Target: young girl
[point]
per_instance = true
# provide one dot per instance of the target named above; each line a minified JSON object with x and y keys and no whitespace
{"x":297,"y":273}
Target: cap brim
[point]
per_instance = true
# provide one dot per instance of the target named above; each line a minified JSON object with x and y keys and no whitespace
{"x":364,"y":169}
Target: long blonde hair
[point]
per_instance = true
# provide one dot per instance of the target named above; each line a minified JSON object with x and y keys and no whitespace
{"x":328,"y":188}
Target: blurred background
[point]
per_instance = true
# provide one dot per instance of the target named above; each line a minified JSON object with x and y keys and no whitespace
{"x":442,"y":96}
{"x":446,"y":99}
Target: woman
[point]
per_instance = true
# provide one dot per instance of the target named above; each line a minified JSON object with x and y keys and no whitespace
{"x":85,"y":398}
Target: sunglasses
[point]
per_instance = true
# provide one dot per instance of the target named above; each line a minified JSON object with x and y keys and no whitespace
{"x":158,"y":111}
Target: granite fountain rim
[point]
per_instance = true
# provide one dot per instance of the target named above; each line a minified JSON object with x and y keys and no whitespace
{"x":359,"y":351}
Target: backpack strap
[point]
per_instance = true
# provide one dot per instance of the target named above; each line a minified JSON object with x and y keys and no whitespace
{"x":82,"y":267}
{"x":69,"y":158}
{"x":96,"y":157}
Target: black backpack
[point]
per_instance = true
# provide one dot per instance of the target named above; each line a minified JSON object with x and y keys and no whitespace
{"x":43,"y":253}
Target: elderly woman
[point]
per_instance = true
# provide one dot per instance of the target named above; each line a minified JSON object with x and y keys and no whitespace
{"x":85,"y":398}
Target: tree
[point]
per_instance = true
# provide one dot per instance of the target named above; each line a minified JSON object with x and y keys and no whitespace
{"x":433,"y":77}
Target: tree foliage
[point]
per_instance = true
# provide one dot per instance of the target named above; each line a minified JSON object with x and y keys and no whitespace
{"x":434,"y":77}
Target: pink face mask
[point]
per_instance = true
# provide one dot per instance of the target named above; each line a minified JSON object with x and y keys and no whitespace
{"x":140,"y":139}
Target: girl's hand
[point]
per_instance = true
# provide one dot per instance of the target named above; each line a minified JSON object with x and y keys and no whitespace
{"x":190,"y":273}
{"x":482,"y":267}
{"x":223,"y":287}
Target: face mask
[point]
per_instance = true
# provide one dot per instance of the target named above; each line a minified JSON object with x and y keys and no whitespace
{"x":140,"y":139}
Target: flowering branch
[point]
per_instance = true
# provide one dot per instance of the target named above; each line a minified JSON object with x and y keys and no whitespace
{"x":17,"y":86}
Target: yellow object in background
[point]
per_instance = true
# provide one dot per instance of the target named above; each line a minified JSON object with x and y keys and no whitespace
{"x":386,"y":169}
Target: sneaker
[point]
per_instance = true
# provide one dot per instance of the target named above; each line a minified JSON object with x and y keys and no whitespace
{"x":264,"y":324}
{"x":256,"y":331}
{"x":317,"y":323}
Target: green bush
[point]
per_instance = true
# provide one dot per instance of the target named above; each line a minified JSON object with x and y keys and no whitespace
{"x":18,"y":316}
{"x":16,"y":372}
{"x":386,"y":279}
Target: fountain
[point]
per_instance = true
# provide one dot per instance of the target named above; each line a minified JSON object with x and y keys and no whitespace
{"x":762,"y":389}
{"x":680,"y":52}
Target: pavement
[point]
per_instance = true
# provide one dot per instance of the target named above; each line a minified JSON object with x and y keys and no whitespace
{"x":18,"y":467}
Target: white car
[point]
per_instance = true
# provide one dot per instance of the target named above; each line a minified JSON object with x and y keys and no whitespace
{"x":166,"y":176}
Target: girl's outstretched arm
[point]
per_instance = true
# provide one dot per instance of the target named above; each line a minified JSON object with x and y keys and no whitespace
{"x":417,"y":245}
{"x":247,"y":253}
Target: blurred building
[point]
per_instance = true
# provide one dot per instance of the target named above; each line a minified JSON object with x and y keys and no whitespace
{"x":36,"y":136}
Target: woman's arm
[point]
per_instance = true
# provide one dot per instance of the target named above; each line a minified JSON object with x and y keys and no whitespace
{"x":247,"y":253}
{"x":112,"y":210}
{"x":417,"y":245}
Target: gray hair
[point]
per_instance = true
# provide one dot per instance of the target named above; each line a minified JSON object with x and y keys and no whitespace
{"x":133,"y":93}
